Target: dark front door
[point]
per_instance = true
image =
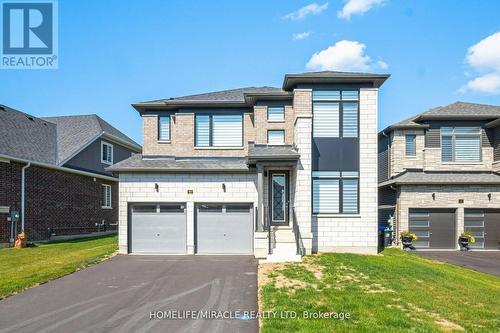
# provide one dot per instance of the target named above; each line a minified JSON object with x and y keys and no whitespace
{"x":278,"y":197}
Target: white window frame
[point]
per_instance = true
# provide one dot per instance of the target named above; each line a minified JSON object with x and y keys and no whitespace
{"x":276,"y":130}
{"x":282,"y":115}
{"x":107,"y":204}
{"x":169,"y":129}
{"x":414,"y":145}
{"x":110,"y":146}
{"x":453,"y":134}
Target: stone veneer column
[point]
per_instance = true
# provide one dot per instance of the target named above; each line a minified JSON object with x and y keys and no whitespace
{"x":302,"y":105}
{"x":368,"y":168}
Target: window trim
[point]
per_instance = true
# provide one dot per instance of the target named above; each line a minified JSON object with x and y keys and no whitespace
{"x":105,"y":204}
{"x":275,"y":106}
{"x":414,"y":145}
{"x":169,"y":129}
{"x":276,"y":130}
{"x":103,"y":143}
{"x":210,"y":131}
{"x":453,"y":136}
{"x":336,"y":175}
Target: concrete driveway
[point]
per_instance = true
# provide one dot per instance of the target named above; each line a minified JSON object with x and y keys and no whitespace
{"x":481,"y":261}
{"x":123,"y":293}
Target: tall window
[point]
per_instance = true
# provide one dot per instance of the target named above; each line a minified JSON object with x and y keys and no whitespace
{"x":275,"y":113}
{"x":276,"y":137}
{"x":335,"y":113}
{"x":106,"y":196}
{"x":335,"y":192}
{"x":164,"y":128}
{"x":461,"y":144}
{"x":219,"y":130}
{"x":410,"y":145}
{"x":106,"y":153}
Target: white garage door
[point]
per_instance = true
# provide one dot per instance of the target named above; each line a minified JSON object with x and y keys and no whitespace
{"x":224,"y":229}
{"x":158,"y":228}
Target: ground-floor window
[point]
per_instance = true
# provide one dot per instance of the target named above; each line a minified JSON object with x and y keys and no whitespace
{"x":335,"y":192}
{"x":106,"y":196}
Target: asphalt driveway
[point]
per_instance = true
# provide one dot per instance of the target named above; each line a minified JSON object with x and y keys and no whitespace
{"x":481,"y":261}
{"x":137,"y":294}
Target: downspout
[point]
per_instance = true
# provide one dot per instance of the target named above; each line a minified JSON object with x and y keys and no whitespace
{"x":23,"y":181}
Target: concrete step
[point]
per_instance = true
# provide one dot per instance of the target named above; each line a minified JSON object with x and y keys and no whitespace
{"x":284,"y":236}
{"x":278,"y":257}
{"x":285,"y":247}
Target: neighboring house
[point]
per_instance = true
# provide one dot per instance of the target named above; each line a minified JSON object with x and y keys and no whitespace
{"x":438,"y":175}
{"x":55,"y":168}
{"x":218,"y":168}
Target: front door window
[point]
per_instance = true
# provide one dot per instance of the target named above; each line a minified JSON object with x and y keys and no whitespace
{"x":278,"y":197}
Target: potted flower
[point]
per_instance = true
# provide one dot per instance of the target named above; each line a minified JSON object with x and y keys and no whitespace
{"x":407,"y":239}
{"x":465,"y":239}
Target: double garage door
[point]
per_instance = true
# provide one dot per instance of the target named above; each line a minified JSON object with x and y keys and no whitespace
{"x":436,"y":228}
{"x":219,"y":228}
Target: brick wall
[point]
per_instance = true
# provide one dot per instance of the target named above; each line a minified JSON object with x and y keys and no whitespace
{"x":54,"y":199}
{"x":182,"y":138}
{"x":262,"y":125}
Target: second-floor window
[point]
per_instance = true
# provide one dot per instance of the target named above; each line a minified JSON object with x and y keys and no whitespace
{"x":410,"y":145}
{"x":164,"y":128}
{"x":461,"y":144}
{"x":275,"y":113}
{"x":106,"y":153}
{"x":276,"y":137}
{"x":219,"y":130}
{"x":335,"y":113}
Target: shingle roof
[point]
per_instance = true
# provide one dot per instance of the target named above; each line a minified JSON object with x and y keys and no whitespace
{"x":268,"y":152}
{"x":75,"y":132}
{"x":434,"y":178}
{"x":457,"y":110}
{"x":137,"y":163}
{"x":26,"y":137}
{"x":232,"y":95}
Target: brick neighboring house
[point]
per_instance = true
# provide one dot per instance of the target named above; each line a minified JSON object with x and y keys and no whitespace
{"x":439,"y":175}
{"x":66,"y":185}
{"x":273,"y":172}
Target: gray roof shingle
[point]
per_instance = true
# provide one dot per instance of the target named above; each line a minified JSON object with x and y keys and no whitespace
{"x":267,"y":152}
{"x":434,"y":178}
{"x":232,"y":95}
{"x":138,"y":163}
{"x":75,"y":132}
{"x":27,"y":137}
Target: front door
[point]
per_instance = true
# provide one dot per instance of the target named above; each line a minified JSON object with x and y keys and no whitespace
{"x":278,"y":197}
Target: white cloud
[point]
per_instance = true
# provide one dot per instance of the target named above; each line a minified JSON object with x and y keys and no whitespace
{"x":353,"y":7}
{"x":345,"y":55}
{"x":484,"y":58}
{"x":301,"y":35}
{"x":312,"y":8}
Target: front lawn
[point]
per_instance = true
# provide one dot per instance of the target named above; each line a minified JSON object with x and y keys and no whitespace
{"x":23,"y":268}
{"x":392,"y":292}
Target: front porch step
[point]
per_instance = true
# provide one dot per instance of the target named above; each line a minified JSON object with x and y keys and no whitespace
{"x":278,"y":257}
{"x":284,"y":236}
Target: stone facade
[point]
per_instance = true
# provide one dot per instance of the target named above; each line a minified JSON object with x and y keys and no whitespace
{"x":174,"y":188}
{"x":433,"y":161}
{"x":356,"y":233}
{"x":54,"y":199}
{"x":446,"y":196}
{"x":399,"y":161}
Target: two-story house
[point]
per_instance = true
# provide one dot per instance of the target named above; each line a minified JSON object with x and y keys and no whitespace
{"x":52,"y":173}
{"x":273,"y":172}
{"x":438,"y":174}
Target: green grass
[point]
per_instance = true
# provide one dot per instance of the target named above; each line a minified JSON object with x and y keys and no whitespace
{"x":24,"y":268}
{"x":393,"y":292}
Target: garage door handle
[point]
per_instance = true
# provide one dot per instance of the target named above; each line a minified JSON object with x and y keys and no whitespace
{"x":430,"y":233}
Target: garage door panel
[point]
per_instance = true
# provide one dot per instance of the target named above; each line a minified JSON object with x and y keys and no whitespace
{"x":162,"y":231}
{"x":435,"y":228}
{"x":224,"y":229}
{"x":484,"y":225}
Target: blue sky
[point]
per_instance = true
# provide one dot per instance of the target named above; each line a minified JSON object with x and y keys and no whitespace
{"x":114,"y":53}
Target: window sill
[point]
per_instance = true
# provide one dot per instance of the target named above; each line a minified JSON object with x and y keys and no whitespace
{"x":411,"y":157}
{"x":276,"y":121}
{"x":219,"y":148}
{"x":462,"y":163}
{"x":107,"y":163}
{"x":337,"y":215}
{"x":104,"y":207}
{"x":164,"y":141}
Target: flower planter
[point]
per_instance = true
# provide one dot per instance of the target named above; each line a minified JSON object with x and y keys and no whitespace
{"x":464,"y":243}
{"x":407,"y":243}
